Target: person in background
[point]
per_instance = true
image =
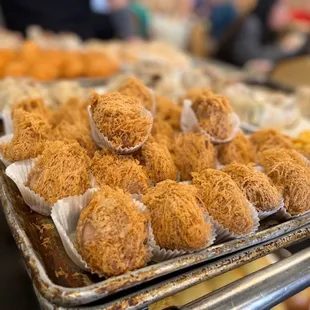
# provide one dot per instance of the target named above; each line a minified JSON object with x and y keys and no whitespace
{"x":255,"y":37}
{"x":112,"y":19}
{"x":105,"y":19}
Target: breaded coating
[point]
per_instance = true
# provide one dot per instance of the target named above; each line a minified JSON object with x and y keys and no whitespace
{"x":168,"y":111}
{"x":123,"y":124}
{"x":271,"y":157}
{"x":177,"y":217}
{"x":256,"y":186}
{"x":73,"y":111}
{"x":119,"y":171}
{"x":224,"y":201}
{"x":73,"y":64}
{"x":77,"y":132}
{"x":158,"y":162}
{"x":31,"y":131}
{"x":193,"y":153}
{"x":265,"y":139}
{"x":134,"y":88}
{"x":16,"y":68}
{"x":213,"y":113}
{"x":61,"y":171}
{"x":43,"y":71}
{"x":33,"y":105}
{"x":293,"y":180}
{"x":112,"y":234}
{"x":239,"y":150}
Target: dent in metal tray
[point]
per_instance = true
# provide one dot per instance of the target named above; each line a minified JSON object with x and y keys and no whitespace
{"x":61,"y":282}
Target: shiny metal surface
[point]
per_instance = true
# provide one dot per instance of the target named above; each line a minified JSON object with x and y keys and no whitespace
{"x":263,"y":289}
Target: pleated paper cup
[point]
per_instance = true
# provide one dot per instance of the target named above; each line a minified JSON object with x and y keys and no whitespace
{"x":190,"y":123}
{"x":162,"y":254}
{"x":3,"y":140}
{"x":66,"y":214}
{"x":264,"y":214}
{"x":103,"y":142}
{"x":283,"y":214}
{"x":224,"y":234}
{"x":19,"y":172}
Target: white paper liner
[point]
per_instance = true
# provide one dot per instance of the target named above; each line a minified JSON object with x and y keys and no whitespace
{"x":7,"y":120}
{"x":283,"y":214}
{"x":103,"y":142}
{"x":161,"y":254}
{"x":19,"y":172}
{"x":189,"y":122}
{"x":66,"y":214}
{"x":154,"y":102}
{"x":223,"y":234}
{"x":263,"y":214}
{"x":5,"y":139}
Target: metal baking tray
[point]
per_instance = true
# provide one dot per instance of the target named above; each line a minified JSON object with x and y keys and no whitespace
{"x":59,"y":281}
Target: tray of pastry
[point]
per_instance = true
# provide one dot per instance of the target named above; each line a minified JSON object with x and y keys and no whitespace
{"x":63,"y":283}
{"x":103,"y":197}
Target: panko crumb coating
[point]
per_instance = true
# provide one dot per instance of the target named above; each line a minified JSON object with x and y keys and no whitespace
{"x":224,"y":201}
{"x":158,"y":162}
{"x":77,"y":132}
{"x":213,"y":113}
{"x":239,"y":150}
{"x":31,"y":132}
{"x":168,"y":111}
{"x":193,"y":153}
{"x":119,"y":171}
{"x":265,"y":139}
{"x":61,"y":171}
{"x":293,"y":180}
{"x":256,"y":186}
{"x":134,"y":88}
{"x":112,"y":234}
{"x":118,"y":120}
{"x":177,"y":217}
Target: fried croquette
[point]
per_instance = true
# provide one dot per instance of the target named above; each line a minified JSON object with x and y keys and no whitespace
{"x":162,"y":133}
{"x":98,"y":64}
{"x":177,"y":217}
{"x":134,"y":88}
{"x":193,"y":153}
{"x":293,"y":180}
{"x":214,"y":114}
{"x":265,"y":139}
{"x":112,"y":234}
{"x":61,"y":171}
{"x":16,"y":68}
{"x":272,"y":157}
{"x":33,"y":105}
{"x":125,"y":125}
{"x":73,"y":65}
{"x":158,"y":162}
{"x":31,"y":132}
{"x":43,"y":71}
{"x":239,"y":150}
{"x":73,"y":111}
{"x":256,"y":186}
{"x":119,"y":171}
{"x":224,"y":201}
{"x":77,"y":132}
{"x":168,"y":111}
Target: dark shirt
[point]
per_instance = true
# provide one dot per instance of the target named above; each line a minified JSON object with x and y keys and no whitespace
{"x":54,"y":15}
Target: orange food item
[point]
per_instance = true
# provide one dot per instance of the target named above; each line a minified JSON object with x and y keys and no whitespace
{"x":112,"y":234}
{"x":16,"y":69}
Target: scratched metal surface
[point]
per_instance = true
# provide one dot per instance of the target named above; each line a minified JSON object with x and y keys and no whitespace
{"x":62,"y":283}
